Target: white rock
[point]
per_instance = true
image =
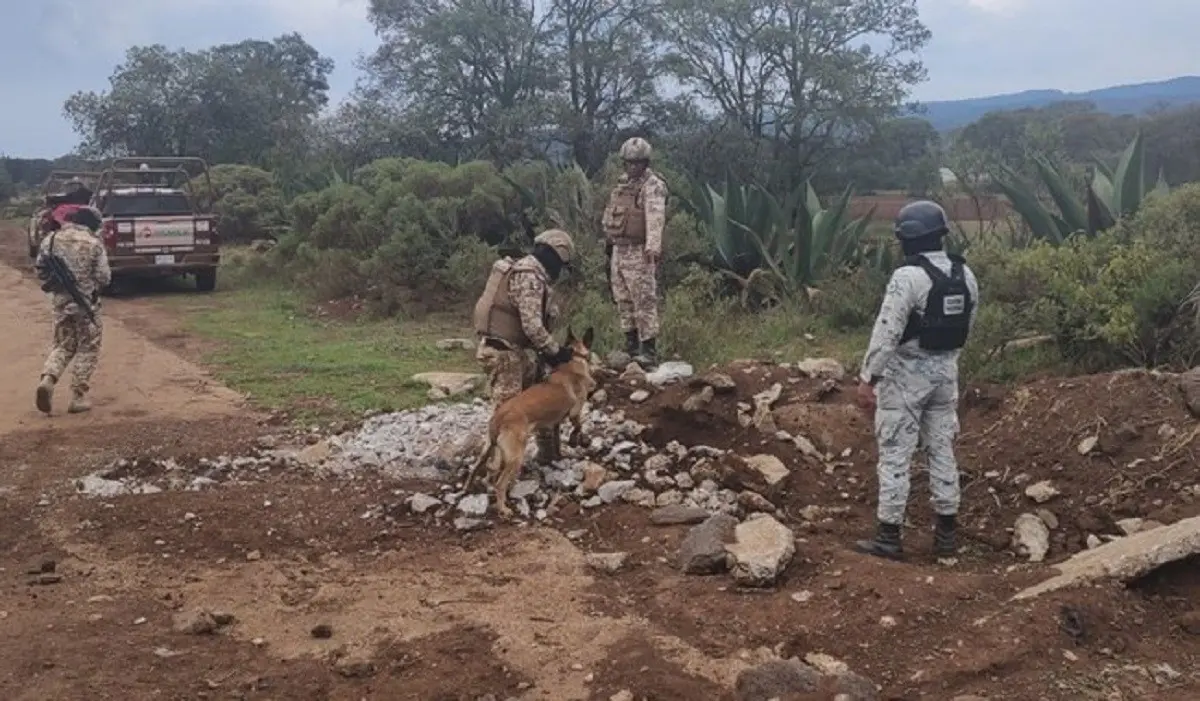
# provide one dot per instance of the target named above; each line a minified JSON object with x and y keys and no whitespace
{"x":668,"y":372}
{"x":822,"y":368}
{"x":523,"y":489}
{"x":612,"y":491}
{"x":606,"y":562}
{"x":639,"y":497}
{"x":1088,"y":444}
{"x":770,"y":467}
{"x":639,"y":396}
{"x":474,"y":504}
{"x":420,"y":503}
{"x":761,"y":550}
{"x":1041,"y":492}
{"x":1031,"y":537}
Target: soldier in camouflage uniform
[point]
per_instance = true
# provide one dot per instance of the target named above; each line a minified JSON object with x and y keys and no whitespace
{"x":910,"y":375}
{"x":514,"y":318}
{"x":633,"y":225}
{"x":76,"y":336}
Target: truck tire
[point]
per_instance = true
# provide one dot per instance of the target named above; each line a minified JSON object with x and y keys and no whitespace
{"x":206,"y":280}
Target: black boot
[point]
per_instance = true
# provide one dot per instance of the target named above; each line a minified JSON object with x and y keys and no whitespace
{"x":549,"y":447}
{"x":944,"y":544}
{"x":647,"y":357}
{"x":631,"y":342}
{"x":886,"y":543}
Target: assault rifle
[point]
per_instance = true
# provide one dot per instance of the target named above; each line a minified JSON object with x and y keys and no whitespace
{"x":57,"y":277}
{"x":608,"y":254}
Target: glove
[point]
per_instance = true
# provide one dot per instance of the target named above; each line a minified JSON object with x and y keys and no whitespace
{"x":563,"y":355}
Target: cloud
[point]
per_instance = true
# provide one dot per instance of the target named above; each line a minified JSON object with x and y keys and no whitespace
{"x":1000,"y":7}
{"x":979,"y":47}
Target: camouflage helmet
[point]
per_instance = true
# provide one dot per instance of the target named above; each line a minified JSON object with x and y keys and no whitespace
{"x":560,"y":241}
{"x":635,"y":149}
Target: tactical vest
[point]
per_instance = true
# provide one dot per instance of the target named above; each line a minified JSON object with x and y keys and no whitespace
{"x":624,"y":218}
{"x":496,"y":315}
{"x":947,"y":319}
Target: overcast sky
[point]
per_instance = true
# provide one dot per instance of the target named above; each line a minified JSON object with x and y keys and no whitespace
{"x":979,"y":47}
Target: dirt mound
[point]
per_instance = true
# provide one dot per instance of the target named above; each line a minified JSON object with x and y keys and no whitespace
{"x":1087,"y":454}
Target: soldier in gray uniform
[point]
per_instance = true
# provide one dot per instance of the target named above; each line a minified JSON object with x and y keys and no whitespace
{"x":910,"y":375}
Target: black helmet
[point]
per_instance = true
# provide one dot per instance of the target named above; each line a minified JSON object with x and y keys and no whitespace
{"x":919,"y":219}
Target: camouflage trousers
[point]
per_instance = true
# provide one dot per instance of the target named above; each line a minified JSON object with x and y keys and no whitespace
{"x":635,"y":289}
{"x":76,"y":338}
{"x":915,"y":410}
{"x":509,"y":372}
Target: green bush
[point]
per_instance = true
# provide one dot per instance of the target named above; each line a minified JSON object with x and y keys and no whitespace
{"x":247,"y":203}
{"x":1105,"y":302}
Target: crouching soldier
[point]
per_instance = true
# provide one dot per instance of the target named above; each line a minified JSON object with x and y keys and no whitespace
{"x":514,"y":319}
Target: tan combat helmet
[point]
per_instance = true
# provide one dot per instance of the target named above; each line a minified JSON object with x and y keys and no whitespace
{"x":560,"y":241}
{"x":635,"y":149}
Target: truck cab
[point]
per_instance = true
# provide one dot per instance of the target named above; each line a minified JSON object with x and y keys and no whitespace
{"x":155,"y":223}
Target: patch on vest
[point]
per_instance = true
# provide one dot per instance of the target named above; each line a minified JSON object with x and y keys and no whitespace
{"x":953,"y":305}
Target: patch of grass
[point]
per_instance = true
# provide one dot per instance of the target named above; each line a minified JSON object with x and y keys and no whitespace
{"x":269,"y":346}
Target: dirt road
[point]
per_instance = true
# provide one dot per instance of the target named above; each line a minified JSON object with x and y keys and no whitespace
{"x":102,"y":597}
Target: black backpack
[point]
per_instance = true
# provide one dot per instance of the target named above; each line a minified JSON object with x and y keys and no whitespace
{"x":947,"y":319}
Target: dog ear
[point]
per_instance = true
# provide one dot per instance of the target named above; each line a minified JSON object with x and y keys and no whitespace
{"x":588,"y":336}
{"x":570,"y":336}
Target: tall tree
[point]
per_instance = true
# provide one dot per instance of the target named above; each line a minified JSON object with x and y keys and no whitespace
{"x":480,"y":70}
{"x":806,"y":78}
{"x":611,"y":72}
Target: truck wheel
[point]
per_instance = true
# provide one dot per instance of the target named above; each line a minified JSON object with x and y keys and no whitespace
{"x":206,"y":280}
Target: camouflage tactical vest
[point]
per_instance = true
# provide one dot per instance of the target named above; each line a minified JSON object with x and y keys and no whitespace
{"x":624,"y":219}
{"x":496,"y":315}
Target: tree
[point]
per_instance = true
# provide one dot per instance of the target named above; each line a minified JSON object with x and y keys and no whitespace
{"x":233,"y":102}
{"x":8,"y":188}
{"x":479,"y":72}
{"x":902,"y":154}
{"x":805,"y":78}
{"x":611,"y":72}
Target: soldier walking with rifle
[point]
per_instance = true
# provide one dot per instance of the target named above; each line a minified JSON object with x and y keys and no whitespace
{"x":73,"y":267}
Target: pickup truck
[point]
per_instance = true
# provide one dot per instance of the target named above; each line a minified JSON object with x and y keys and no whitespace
{"x":155,"y":223}
{"x":60,"y":187}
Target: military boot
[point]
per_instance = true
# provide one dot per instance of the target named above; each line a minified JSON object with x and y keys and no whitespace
{"x":886,"y":543}
{"x":45,"y":392}
{"x":944,"y":542}
{"x":647,"y":357}
{"x":549,"y":449}
{"x":79,"y":403}
{"x":631,"y":343}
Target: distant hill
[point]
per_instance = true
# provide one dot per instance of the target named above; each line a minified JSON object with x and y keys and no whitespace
{"x":1122,"y":99}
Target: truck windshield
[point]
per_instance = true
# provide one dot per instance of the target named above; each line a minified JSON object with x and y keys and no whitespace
{"x":146,"y":205}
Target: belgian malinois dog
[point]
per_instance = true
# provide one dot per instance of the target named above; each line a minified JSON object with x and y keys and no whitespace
{"x":544,"y":405}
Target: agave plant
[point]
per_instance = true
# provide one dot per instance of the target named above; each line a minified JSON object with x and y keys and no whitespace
{"x":720,"y":212}
{"x":1112,"y":194}
{"x":563,"y":199}
{"x":796,"y":241}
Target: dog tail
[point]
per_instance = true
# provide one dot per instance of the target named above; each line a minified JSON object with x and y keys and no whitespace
{"x":484,"y":457}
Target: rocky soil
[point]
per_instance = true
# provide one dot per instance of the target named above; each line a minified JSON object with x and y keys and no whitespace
{"x":178,"y":544}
